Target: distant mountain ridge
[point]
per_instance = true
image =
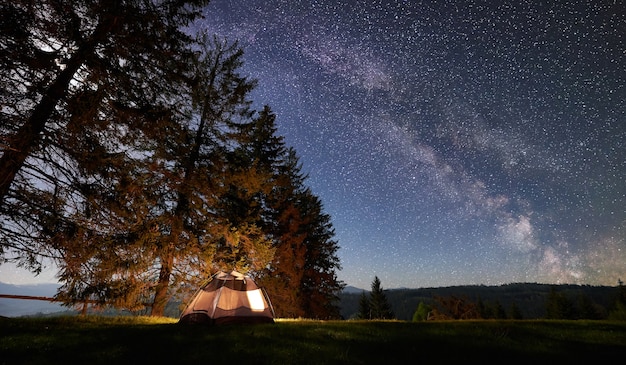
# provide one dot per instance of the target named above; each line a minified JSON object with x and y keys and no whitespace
{"x":21,"y":307}
{"x":352,"y":290}
{"x":43,"y":290}
{"x":530,"y":298}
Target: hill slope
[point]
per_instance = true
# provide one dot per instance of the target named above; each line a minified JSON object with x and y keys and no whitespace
{"x":530,"y":298}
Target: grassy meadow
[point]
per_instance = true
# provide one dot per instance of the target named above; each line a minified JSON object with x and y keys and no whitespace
{"x":144,"y":340}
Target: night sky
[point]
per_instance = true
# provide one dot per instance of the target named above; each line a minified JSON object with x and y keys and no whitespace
{"x":451,"y":142}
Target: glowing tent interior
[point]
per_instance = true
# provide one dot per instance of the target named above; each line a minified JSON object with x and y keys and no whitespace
{"x":228,"y":298}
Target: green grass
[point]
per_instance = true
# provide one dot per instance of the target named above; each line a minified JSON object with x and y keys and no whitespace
{"x":142,"y":340}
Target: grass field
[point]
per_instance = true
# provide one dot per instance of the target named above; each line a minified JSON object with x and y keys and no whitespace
{"x":142,"y":340}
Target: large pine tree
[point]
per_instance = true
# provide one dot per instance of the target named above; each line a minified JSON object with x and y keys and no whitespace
{"x":302,"y":275}
{"x":181,"y":184}
{"x":365,"y":312}
{"x":320,"y":285}
{"x":204,"y":171}
{"x":80,"y":79}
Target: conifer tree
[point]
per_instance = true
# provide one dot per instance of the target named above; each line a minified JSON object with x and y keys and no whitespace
{"x":320,"y":286}
{"x":380,"y":307}
{"x":285,"y":219}
{"x":205,"y":170}
{"x":80,"y":80}
{"x":515,"y":312}
{"x":618,"y":310}
{"x":558,"y":306}
{"x":365,"y":312}
{"x":498,"y":310}
{"x":248,"y":181}
{"x":302,"y":275}
{"x":421,"y":313}
{"x":175,"y":191}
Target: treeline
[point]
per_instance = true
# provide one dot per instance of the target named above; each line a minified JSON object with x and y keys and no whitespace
{"x":132,"y":158}
{"x":510,"y":301}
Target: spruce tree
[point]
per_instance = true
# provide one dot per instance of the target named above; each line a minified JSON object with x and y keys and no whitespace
{"x":380,"y":307}
{"x":618,"y":309}
{"x":421,"y":313}
{"x":320,"y":286}
{"x":515,"y":312}
{"x":558,"y":306}
{"x":365,"y":312}
{"x":498,"y":310}
{"x":287,"y":222}
{"x":302,"y":274}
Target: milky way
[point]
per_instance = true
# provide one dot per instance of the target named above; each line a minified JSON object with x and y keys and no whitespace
{"x":456,"y":142}
{"x":452,"y":142}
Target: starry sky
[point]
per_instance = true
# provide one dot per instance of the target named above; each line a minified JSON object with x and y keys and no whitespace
{"x":451,"y":142}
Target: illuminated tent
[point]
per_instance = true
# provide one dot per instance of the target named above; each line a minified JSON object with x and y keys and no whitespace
{"x":229,"y":298}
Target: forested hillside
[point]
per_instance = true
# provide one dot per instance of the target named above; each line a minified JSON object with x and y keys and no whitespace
{"x":531,"y":299}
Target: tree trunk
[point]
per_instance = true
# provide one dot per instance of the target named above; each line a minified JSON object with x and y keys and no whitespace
{"x":167,"y":261}
{"x":160,"y":294}
{"x":28,"y":135}
{"x":21,"y":144}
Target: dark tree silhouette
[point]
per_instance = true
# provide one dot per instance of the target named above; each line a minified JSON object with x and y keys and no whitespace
{"x":302,"y":274}
{"x":559,"y":306}
{"x":365,"y":312}
{"x":379,"y":305}
{"x":618,"y":309}
{"x":80,"y":81}
{"x":515,"y":312}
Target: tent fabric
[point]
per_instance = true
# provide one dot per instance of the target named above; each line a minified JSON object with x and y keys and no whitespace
{"x":229,"y":298}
